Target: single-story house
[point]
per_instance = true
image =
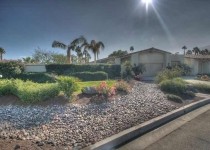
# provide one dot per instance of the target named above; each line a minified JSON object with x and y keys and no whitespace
{"x":155,"y":60}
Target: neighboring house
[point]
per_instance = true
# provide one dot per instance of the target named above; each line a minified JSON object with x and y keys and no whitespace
{"x":153,"y":59}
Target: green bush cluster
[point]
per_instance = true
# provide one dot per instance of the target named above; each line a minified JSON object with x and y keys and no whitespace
{"x":91,"y":76}
{"x":31,"y":92}
{"x":10,"y":69}
{"x":113,"y":71}
{"x":67,"y":84}
{"x":36,"y":77}
{"x":7,"y":87}
{"x":174,"y":86}
{"x":167,"y":74}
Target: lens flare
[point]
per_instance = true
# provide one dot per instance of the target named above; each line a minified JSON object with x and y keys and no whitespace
{"x":147,"y":1}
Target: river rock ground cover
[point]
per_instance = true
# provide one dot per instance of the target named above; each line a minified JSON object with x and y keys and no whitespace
{"x":74,"y":126}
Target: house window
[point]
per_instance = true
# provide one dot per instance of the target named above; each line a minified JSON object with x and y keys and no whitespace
{"x":175,"y":63}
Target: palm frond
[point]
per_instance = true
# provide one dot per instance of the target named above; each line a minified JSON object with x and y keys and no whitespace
{"x":58,"y":44}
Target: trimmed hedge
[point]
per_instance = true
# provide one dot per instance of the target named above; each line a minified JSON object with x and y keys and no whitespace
{"x":91,"y":76}
{"x":67,"y":69}
{"x":11,"y":69}
{"x":36,"y":77}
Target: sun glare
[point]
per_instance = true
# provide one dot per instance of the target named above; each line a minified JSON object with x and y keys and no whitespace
{"x":147,"y":1}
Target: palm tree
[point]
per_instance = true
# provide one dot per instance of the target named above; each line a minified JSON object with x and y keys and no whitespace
{"x":95,"y":47}
{"x":2,"y":51}
{"x":196,"y":50}
{"x":28,"y":60}
{"x":184,"y":48}
{"x":72,"y":46}
{"x":131,"y":48}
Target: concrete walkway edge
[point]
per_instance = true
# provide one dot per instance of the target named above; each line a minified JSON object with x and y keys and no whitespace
{"x":133,"y":132}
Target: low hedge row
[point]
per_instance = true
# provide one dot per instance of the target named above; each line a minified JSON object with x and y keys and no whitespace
{"x":31,"y":92}
{"x":113,"y":71}
{"x":36,"y":77}
{"x":91,"y":76}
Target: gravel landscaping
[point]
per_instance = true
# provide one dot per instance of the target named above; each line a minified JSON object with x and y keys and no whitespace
{"x":78,"y":126}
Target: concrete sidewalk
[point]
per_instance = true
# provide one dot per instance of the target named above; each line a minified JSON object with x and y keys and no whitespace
{"x":189,"y":132}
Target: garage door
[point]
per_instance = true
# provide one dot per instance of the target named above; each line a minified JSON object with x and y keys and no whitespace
{"x":152,"y":69}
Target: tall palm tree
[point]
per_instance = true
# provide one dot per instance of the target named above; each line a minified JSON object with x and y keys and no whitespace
{"x":184,"y":48}
{"x":2,"y":51}
{"x":131,"y":48}
{"x":72,"y":46}
{"x":95,"y":47}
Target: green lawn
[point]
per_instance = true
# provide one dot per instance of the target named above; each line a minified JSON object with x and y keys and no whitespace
{"x":92,"y":83}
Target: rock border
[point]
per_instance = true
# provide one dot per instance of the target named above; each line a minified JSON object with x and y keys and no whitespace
{"x":136,"y":131}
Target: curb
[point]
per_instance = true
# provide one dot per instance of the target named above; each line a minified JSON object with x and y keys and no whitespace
{"x":138,"y":130}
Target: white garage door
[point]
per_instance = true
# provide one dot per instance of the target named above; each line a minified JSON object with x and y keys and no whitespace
{"x":152,"y":69}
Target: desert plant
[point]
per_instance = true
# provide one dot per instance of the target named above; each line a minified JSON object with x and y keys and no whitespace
{"x":122,"y":86}
{"x":167,"y":74}
{"x":68,"y":85}
{"x":104,"y":90}
{"x":174,"y":86}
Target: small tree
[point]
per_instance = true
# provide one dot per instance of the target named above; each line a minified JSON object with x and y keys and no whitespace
{"x":128,"y":70}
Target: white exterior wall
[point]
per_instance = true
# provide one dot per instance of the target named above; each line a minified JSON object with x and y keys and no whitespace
{"x":135,"y":59}
{"x":35,"y":68}
{"x":194,"y":64}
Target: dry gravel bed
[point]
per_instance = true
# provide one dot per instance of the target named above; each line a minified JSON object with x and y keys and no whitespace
{"x":76,"y":126}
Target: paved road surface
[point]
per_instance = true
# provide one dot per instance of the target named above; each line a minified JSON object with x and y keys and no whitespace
{"x":194,"y":135}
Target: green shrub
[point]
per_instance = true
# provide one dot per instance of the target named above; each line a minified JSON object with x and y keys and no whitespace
{"x":63,"y":69}
{"x":167,"y":74}
{"x":174,"y":98}
{"x":91,"y":76}
{"x":36,"y":77}
{"x":67,"y":84}
{"x":28,"y":91}
{"x":204,"y":88}
{"x":7,"y":87}
{"x":10,"y":69}
{"x":31,"y":92}
{"x":174,"y":86}
{"x":122,"y":86}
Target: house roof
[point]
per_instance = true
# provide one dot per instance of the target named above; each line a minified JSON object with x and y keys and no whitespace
{"x":146,"y":50}
{"x":149,"y":50}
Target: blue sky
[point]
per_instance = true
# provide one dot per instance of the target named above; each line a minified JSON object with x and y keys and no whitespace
{"x":119,"y":24}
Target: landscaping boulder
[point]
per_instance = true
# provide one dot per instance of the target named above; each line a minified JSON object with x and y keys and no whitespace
{"x":89,"y":90}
